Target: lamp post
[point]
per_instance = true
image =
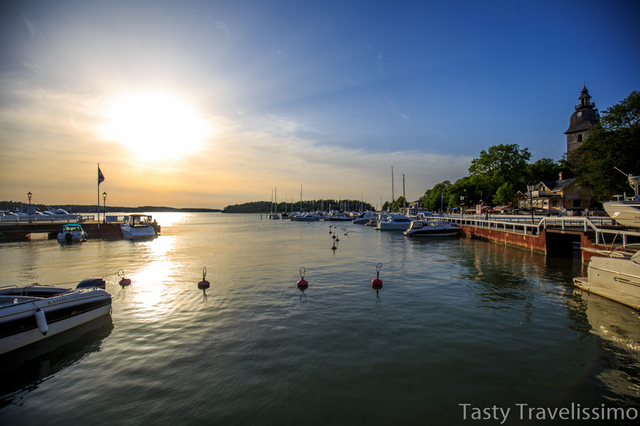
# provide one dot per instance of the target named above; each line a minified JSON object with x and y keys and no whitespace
{"x":104,"y":198}
{"x":462,"y":205}
{"x":531,"y":188}
{"x":29,"y":194}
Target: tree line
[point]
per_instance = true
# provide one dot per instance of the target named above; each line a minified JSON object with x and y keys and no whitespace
{"x":500,"y":175}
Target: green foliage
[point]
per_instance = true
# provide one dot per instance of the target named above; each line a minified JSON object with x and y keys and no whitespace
{"x":505,"y":194}
{"x":614,"y":142}
{"x":544,"y":170}
{"x":498,"y":165}
{"x":432,"y":198}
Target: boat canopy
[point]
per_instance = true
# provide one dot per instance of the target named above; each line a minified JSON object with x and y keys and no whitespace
{"x":71,"y":227}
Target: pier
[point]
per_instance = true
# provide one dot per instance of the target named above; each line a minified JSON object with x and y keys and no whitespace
{"x":551,"y":235}
{"x":18,"y":229}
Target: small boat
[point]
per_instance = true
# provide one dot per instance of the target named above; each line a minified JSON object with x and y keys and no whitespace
{"x":364,"y":217}
{"x":61,"y":214}
{"x":394,"y":222}
{"x":308,"y":217}
{"x":431,"y":228}
{"x":32,"y":313}
{"x":138,"y":227}
{"x":626,"y":212}
{"x":337,"y":216}
{"x":72,"y":232}
{"x":616,"y":278}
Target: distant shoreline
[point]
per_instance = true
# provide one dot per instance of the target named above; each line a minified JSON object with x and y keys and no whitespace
{"x":76,"y":208}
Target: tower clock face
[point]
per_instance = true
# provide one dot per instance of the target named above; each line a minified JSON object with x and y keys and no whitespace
{"x":579,"y":114}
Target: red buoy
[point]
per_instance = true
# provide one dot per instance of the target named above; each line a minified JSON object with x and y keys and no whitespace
{"x":376,"y":283}
{"x":204,"y":284}
{"x":302,"y":284}
{"x":124,"y":281}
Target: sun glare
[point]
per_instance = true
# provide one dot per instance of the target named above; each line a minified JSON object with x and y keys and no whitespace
{"x":155,"y":126}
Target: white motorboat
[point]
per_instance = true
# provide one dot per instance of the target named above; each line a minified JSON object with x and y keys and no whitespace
{"x":394,"y":222}
{"x":32,"y":313}
{"x":307,"y":217}
{"x":138,"y":227}
{"x":616,"y":278}
{"x":337,"y":216}
{"x":72,"y":232}
{"x":365,"y":217}
{"x":431,"y":228}
{"x":61,"y":214}
{"x":626,"y":212}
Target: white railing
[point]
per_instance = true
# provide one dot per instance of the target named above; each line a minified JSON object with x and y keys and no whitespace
{"x":525,"y":225}
{"x":34,"y":219}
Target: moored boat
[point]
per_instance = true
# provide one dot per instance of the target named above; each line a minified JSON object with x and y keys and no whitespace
{"x":431,"y":228}
{"x":626,"y":212}
{"x":616,"y":278}
{"x":394,"y":222}
{"x":72,"y":232}
{"x":29,"y":314}
{"x":137,"y":227}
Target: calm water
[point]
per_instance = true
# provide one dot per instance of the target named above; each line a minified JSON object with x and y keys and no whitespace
{"x":458,"y":321}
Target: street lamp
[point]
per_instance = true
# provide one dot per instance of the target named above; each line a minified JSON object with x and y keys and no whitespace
{"x":531,"y":188}
{"x":29,"y":194}
{"x":104,"y":198}
{"x":462,"y":204}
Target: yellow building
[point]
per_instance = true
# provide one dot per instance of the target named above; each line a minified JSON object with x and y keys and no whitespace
{"x":561,"y":195}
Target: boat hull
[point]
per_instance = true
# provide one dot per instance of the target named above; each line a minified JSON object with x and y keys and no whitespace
{"x":19,"y":326}
{"x":138,"y":233}
{"x":432,"y":233}
{"x":626,"y":213}
{"x":614,"y":278}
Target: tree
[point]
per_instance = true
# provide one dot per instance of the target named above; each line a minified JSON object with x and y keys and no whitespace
{"x":433,"y":197}
{"x":499,"y":165}
{"x":543,"y":170}
{"x":612,"y":143}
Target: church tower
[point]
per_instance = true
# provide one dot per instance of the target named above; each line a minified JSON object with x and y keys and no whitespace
{"x":585,"y":116}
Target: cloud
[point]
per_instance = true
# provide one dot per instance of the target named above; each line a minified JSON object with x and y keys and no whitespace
{"x":379,"y":63}
{"x":394,"y":108}
{"x":222,"y":27}
{"x":33,"y":29}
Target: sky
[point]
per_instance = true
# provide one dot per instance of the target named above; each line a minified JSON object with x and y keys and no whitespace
{"x":211,"y":103}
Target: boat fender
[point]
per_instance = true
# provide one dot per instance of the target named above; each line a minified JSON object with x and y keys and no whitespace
{"x":376,"y":283}
{"x":42,"y":322}
{"x":204,"y":284}
{"x":302,"y":284}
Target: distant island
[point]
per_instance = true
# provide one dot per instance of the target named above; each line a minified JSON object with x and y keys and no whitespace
{"x":75,"y":208}
{"x":266,"y":206}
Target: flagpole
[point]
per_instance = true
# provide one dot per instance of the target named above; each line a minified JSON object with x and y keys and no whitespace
{"x":98,"y":195}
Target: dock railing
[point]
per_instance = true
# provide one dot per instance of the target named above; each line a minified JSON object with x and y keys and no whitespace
{"x":35,"y":219}
{"x":524,"y":225}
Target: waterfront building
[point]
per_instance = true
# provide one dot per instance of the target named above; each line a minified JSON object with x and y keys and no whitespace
{"x":584,"y":117}
{"x":561,"y":195}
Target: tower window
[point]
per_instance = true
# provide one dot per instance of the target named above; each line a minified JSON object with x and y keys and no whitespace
{"x":579,"y":138}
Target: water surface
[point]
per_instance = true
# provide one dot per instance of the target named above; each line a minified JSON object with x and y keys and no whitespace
{"x":458,"y":321}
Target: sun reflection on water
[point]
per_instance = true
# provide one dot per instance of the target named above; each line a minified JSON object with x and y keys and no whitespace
{"x":153,"y":280}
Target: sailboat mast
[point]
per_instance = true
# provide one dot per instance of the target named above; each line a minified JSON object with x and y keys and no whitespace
{"x":393,"y":198}
{"x":404,"y":198}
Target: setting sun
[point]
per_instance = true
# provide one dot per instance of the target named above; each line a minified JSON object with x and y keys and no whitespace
{"x":155,"y":126}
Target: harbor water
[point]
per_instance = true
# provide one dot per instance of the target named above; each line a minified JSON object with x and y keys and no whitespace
{"x":462,"y":332}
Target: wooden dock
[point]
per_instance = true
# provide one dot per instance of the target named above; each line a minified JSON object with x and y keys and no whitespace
{"x":551,"y":235}
{"x":22,"y":230}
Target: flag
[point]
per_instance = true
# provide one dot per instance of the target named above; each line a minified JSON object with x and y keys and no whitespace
{"x":100,"y":176}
